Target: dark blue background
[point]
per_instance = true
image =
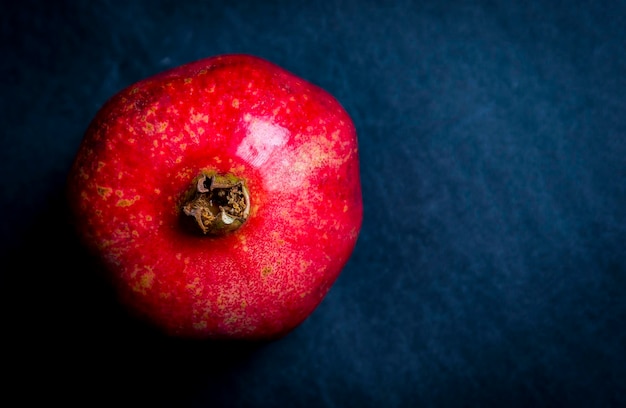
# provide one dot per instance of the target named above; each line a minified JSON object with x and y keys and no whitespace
{"x":491,"y":267}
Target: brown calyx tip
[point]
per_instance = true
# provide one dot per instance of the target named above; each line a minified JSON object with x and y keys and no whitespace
{"x":216,"y":204}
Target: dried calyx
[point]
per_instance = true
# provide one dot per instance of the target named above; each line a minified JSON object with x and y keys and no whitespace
{"x":217,"y":203}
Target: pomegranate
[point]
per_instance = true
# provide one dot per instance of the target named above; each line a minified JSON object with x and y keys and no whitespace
{"x":222,"y":197}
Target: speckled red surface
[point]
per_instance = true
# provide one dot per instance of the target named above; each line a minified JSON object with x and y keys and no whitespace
{"x":294,"y":146}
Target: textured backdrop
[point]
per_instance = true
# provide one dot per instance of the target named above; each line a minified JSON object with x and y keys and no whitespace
{"x":491,"y":267}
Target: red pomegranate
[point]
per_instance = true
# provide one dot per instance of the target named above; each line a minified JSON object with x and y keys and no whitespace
{"x":222,"y":196}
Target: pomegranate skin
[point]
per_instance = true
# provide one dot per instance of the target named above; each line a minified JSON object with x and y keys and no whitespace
{"x":288,"y":141}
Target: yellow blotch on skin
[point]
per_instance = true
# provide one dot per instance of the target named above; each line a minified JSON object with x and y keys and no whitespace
{"x":235,"y":103}
{"x":242,"y":240}
{"x":220,"y":302}
{"x":199,"y":326}
{"x":303,"y":294}
{"x":104,"y":192}
{"x":354,"y":233}
{"x":277,"y":238}
{"x":148,"y":128}
{"x":145,"y":281}
{"x":195,"y":287}
{"x":184,"y":174}
{"x":231,"y":319}
{"x":104,"y":243}
{"x":237,"y":169}
{"x":199,"y":117}
{"x":304,"y":265}
{"x":266,"y":271}
{"x":191,"y":133}
{"x":127,"y":202}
